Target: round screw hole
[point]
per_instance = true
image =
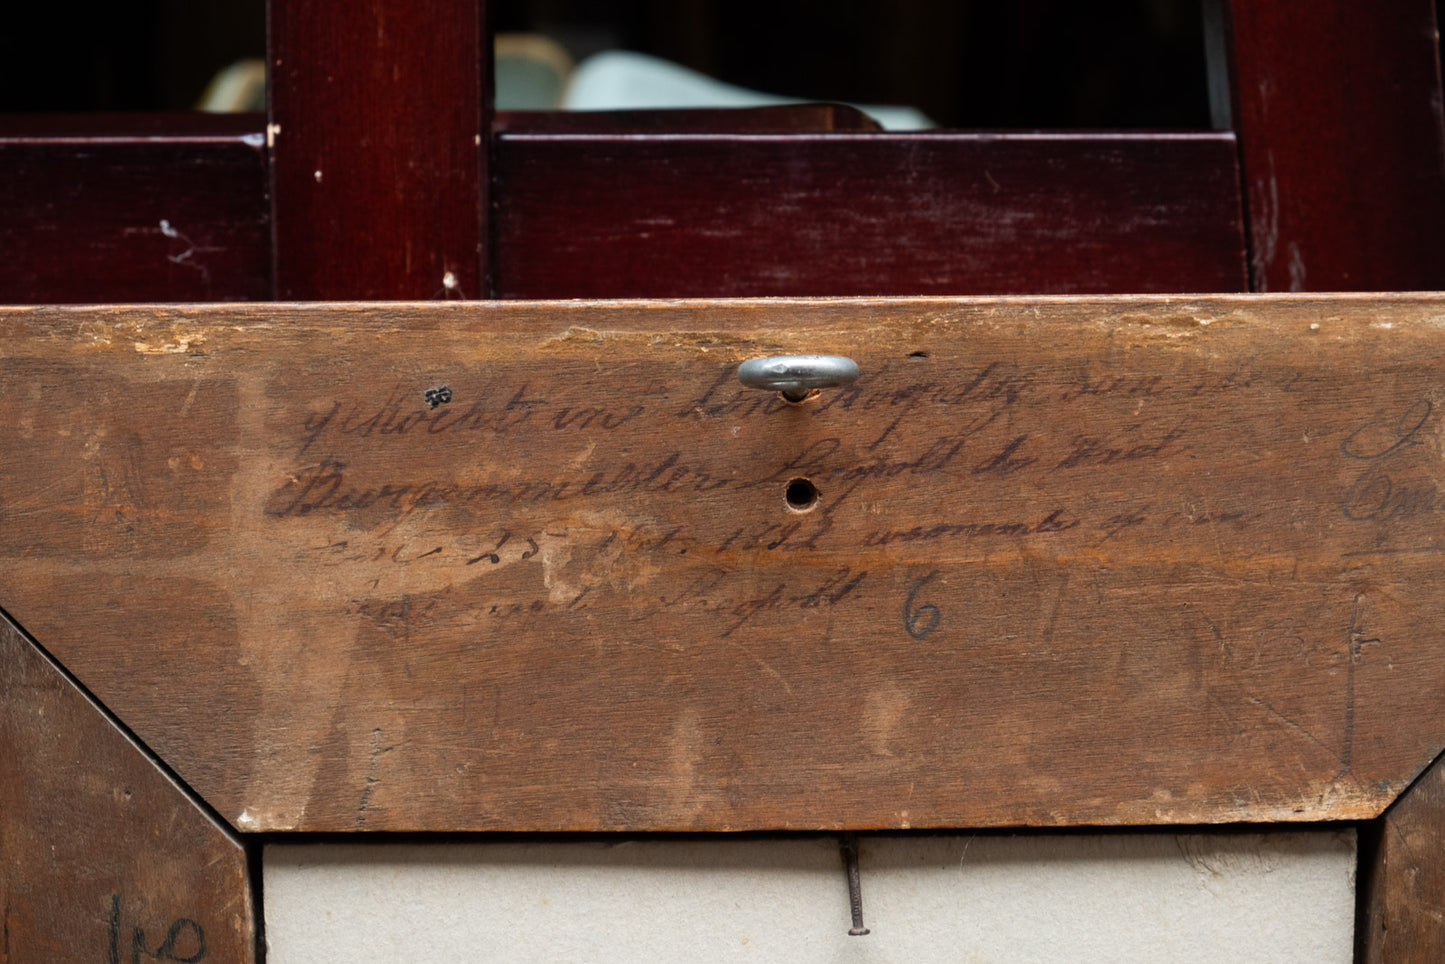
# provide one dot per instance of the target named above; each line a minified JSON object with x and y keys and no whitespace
{"x":801,"y":495}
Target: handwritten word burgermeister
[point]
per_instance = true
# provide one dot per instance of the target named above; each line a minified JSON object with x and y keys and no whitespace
{"x":324,"y":488}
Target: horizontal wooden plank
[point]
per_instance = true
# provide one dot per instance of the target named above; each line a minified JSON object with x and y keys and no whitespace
{"x":774,"y":119}
{"x":134,"y":124}
{"x":133,"y":215}
{"x":535,"y":566}
{"x":600,"y":216}
{"x":106,"y":858}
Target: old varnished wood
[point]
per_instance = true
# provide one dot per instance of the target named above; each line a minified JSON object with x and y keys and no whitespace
{"x":134,"y":208}
{"x":1109,"y":561}
{"x":597,"y":216}
{"x":776,"y":119}
{"x":1338,"y":111}
{"x":1404,"y":880}
{"x":378,"y":118}
{"x":105,"y":858}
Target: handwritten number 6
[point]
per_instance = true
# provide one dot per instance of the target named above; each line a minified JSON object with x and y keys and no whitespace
{"x":924,"y":619}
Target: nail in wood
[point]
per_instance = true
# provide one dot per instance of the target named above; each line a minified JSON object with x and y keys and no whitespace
{"x":855,"y":886}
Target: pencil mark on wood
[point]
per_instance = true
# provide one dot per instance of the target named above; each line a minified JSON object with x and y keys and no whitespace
{"x":492,"y":556}
{"x":1378,"y":497}
{"x":587,"y":416}
{"x":713,"y":592}
{"x":1122,"y":522}
{"x":1007,"y":461}
{"x":1102,"y":450}
{"x":1357,"y":640}
{"x":1292,"y":724}
{"x":397,"y":417}
{"x":920,"y":620}
{"x":1382,"y":439}
{"x":324,"y":488}
{"x":184,"y":943}
{"x":372,"y":779}
{"x":1379,"y":494}
{"x":1057,"y":520}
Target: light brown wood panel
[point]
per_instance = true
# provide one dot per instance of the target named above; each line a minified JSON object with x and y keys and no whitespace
{"x":104,"y":857}
{"x":1091,"y":561}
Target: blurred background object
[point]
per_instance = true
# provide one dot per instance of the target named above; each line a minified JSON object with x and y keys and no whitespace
{"x":962,"y":63}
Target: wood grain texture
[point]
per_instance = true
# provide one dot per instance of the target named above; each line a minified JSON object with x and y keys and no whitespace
{"x":1404,"y":880}
{"x":105,"y":858}
{"x":864,"y":214}
{"x":133,"y":214}
{"x":1338,"y":111}
{"x":1101,"y":561}
{"x":378,"y":117}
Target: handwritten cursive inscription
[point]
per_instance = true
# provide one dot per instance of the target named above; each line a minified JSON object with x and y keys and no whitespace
{"x":1382,"y":439}
{"x":1059,"y":520}
{"x":324,"y":487}
{"x":994,"y":385}
{"x":1379,"y":494}
{"x":989,"y":446}
{"x":495,"y":415}
{"x":712,"y":592}
{"x":1094,"y":450}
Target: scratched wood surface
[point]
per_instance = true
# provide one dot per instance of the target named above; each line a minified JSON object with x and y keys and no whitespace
{"x":534,"y":566}
{"x":655,"y":215}
{"x":1404,"y":879}
{"x":134,"y":208}
{"x":104,"y":857}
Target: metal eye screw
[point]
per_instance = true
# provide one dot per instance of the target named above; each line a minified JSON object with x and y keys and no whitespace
{"x":797,"y":375}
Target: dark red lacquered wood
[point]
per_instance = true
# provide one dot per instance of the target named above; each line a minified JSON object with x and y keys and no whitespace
{"x":139,"y":208}
{"x":1338,"y":110}
{"x":780,"y":119}
{"x":598,"y":216}
{"x":133,"y":124}
{"x":377,"y":122}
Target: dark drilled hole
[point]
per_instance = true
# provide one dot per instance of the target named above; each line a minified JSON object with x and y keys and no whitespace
{"x":801,"y":494}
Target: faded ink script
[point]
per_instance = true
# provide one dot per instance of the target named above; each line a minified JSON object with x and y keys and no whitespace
{"x":1394,"y":460}
{"x":604,"y":487}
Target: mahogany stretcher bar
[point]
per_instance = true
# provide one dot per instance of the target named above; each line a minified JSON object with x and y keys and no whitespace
{"x":547,"y":567}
